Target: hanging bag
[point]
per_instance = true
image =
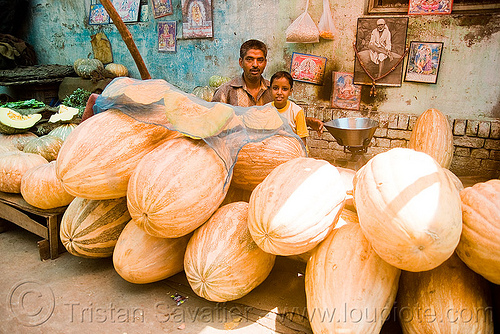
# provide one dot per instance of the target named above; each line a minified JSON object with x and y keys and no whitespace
{"x":302,"y":29}
{"x":326,"y":26}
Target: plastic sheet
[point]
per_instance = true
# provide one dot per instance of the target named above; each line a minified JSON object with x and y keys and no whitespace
{"x":223,"y":127}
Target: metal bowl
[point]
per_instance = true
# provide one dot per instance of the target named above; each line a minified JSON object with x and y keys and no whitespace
{"x":352,"y":131}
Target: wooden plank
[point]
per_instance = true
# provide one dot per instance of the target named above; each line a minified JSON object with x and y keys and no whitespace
{"x":16,"y":200}
{"x":53,"y":232}
{"x":21,"y":219}
{"x":44,"y":249}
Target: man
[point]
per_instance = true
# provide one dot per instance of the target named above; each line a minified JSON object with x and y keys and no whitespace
{"x":380,"y":45}
{"x":251,"y":89}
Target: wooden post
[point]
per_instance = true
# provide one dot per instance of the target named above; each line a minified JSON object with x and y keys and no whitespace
{"x":127,"y":38}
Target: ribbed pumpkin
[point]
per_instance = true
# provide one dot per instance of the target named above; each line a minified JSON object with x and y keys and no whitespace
{"x":13,"y":165}
{"x":257,"y":159}
{"x":63,"y":130}
{"x":347,"y":176}
{"x":98,"y":157}
{"x":117,"y":69}
{"x":408,"y":208}
{"x":479,"y":245}
{"x":455,"y":179}
{"x":47,"y":146}
{"x":90,"y":228}
{"x":41,"y":188}
{"x":432,"y":134}
{"x":17,"y":140}
{"x":176,"y":187}
{"x":141,"y":258}
{"x":448,"y":299}
{"x":349,"y":288}
{"x":222,"y":261}
{"x":7,"y":148}
{"x":296,"y":206}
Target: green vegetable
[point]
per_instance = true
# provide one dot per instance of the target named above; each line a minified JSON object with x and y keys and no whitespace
{"x":27,"y":104}
{"x":77,"y":99}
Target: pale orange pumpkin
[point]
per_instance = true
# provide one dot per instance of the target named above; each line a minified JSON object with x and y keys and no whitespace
{"x":347,"y":176}
{"x":47,"y":146}
{"x":408,"y":208}
{"x":296,"y":206}
{"x":41,"y":188}
{"x":448,"y":299}
{"x":432,"y":134}
{"x":257,"y":159}
{"x":177,"y":187}
{"x":141,"y":258}
{"x":18,"y":140}
{"x":479,"y":245}
{"x":222,"y":261}
{"x":349,"y":288}
{"x":13,"y":165}
{"x":98,"y":157}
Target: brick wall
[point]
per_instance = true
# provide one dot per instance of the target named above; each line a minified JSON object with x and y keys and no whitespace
{"x":477,"y":143}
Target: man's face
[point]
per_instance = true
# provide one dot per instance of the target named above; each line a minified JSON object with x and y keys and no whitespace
{"x":253,"y":64}
{"x":380,"y":27}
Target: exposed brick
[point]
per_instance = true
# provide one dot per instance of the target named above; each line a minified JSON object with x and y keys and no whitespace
{"x":495,"y":155}
{"x":465,"y":166}
{"x":492,"y":144}
{"x":462,"y":151}
{"x":472,"y":127}
{"x":383,"y":120}
{"x":392,"y":122}
{"x":383,"y":142}
{"x":491,"y":165}
{"x":411,"y":122}
{"x":335,"y":146}
{"x":317,"y":143}
{"x":480,"y":153}
{"x":495,"y":130}
{"x":465,"y":141}
{"x":398,"y":143}
{"x":459,"y":127}
{"x":380,"y":132}
{"x":377,"y":150}
{"x":403,"y":122}
{"x":398,"y":134}
{"x":484,"y":129}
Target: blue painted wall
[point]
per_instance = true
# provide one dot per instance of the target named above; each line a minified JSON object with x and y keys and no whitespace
{"x":468,"y":83}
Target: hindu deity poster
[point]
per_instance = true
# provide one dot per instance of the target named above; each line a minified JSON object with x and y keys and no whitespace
{"x":197,"y":19}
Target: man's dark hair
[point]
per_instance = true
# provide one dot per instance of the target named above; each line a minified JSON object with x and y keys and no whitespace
{"x":282,"y":74}
{"x":252,"y":44}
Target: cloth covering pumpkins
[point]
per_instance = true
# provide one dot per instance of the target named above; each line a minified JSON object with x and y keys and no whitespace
{"x":222,"y":261}
{"x":408,"y":208}
{"x":296,"y":206}
{"x":479,"y":245}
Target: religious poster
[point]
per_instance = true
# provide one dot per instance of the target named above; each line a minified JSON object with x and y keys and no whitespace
{"x":167,"y":36}
{"x":308,"y":68}
{"x":127,"y":9}
{"x":162,"y":8}
{"x":429,"y":7}
{"x":98,"y":14}
{"x":345,"y":95}
{"x":197,"y":19}
{"x":423,"y":61}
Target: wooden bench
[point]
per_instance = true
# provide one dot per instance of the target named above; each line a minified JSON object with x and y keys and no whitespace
{"x":44,"y":223}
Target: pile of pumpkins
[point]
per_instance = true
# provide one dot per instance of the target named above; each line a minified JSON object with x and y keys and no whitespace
{"x":402,"y":228}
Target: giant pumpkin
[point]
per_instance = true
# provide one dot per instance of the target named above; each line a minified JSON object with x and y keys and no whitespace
{"x":98,"y":157}
{"x":177,"y":187}
{"x":296,"y":206}
{"x":349,"y":288}
{"x":222,"y":261}
{"x":13,"y":165}
{"x":432,"y":134}
{"x":479,"y":245}
{"x":408,"y":208}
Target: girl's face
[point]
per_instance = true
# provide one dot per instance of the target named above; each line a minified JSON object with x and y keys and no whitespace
{"x":281,"y":90}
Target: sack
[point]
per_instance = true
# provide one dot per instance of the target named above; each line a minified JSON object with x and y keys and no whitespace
{"x":303,"y":29}
{"x":325,"y":25}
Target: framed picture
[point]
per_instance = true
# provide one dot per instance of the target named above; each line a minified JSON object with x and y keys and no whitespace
{"x":98,"y":14}
{"x":127,"y":9}
{"x":308,"y":68}
{"x":345,"y":95}
{"x":197,"y":19}
{"x":162,"y":8}
{"x":423,"y":61}
{"x":167,"y":36}
{"x":380,"y":49}
{"x":429,"y":7}
{"x":144,"y":15}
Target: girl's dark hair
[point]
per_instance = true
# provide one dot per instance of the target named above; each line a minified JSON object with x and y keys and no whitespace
{"x":282,"y":74}
{"x":252,"y":44}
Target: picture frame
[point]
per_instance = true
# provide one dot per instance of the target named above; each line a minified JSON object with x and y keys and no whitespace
{"x":308,"y":68}
{"x":128,"y":9}
{"x":167,"y":36}
{"x":345,"y":95}
{"x":98,"y":15}
{"x":424,"y":59}
{"x":162,"y":8}
{"x":197,"y":19}
{"x":429,"y":7}
{"x":384,"y":68}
